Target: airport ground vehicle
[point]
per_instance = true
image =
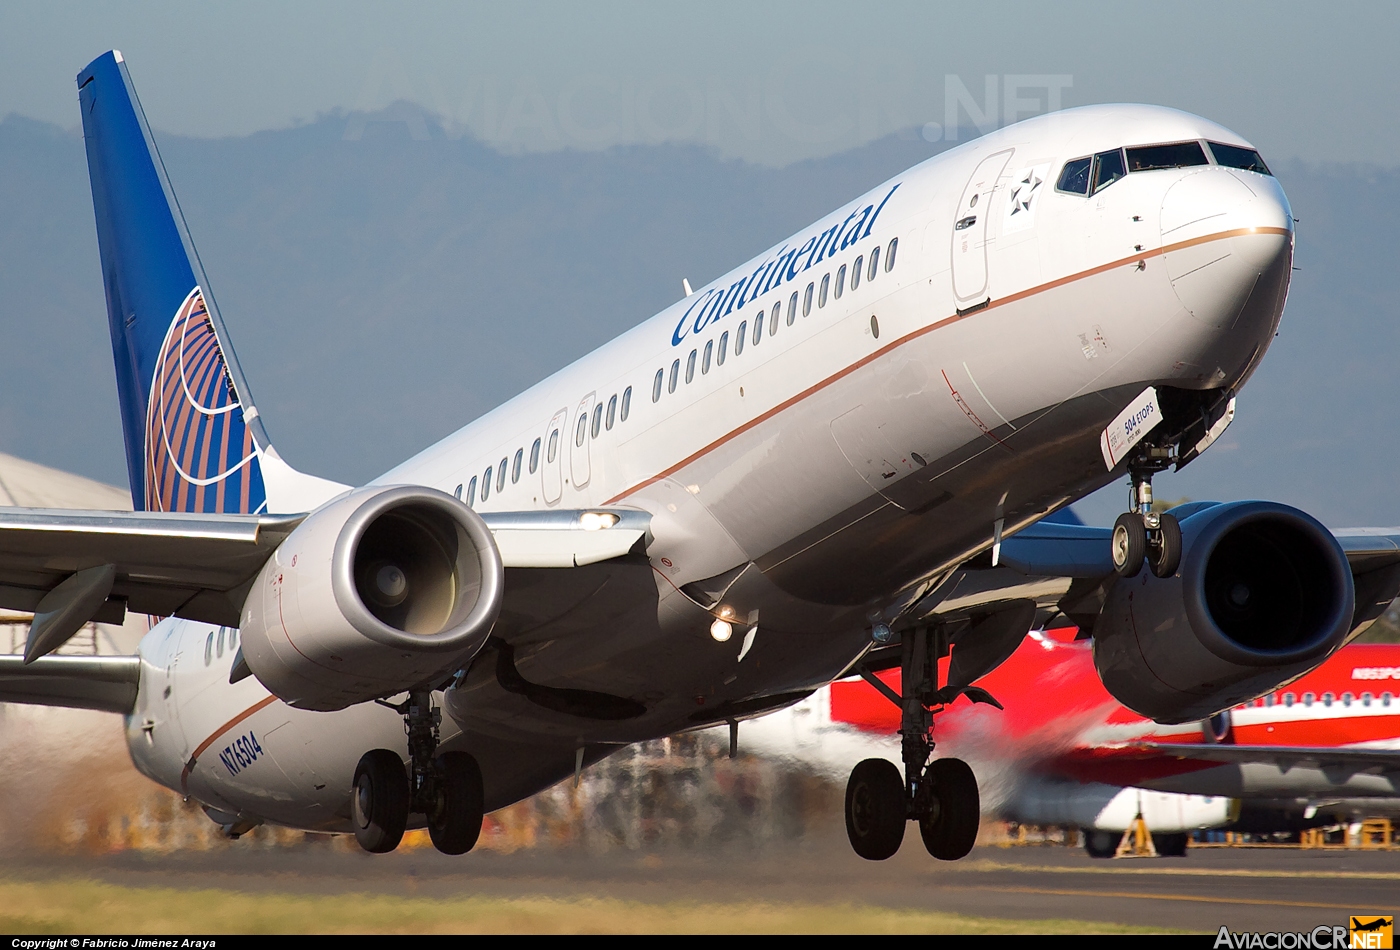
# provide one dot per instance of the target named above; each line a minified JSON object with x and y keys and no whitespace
{"x":835,"y":458}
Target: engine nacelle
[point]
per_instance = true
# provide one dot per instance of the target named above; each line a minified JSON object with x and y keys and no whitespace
{"x":378,"y":591}
{"x":1264,"y":593}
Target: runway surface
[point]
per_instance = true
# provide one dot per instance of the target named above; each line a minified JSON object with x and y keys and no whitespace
{"x":1244,"y":889}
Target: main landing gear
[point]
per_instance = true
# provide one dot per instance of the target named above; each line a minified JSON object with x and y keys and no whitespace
{"x":1141,"y":533}
{"x":940,"y":795}
{"x":445,"y":788}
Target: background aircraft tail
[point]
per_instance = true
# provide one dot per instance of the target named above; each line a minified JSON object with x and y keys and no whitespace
{"x":194,"y":441}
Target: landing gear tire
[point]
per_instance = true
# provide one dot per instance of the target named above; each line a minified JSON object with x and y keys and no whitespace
{"x":1165,"y":556}
{"x":454,"y":821}
{"x":1101,"y":844}
{"x":949,"y":829}
{"x":1170,"y":846}
{"x":875,"y":809}
{"x":379,"y":801}
{"x":1130,"y":544}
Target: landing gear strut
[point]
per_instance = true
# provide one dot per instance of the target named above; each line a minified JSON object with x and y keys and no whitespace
{"x":446,"y":788}
{"x":1141,"y":533}
{"x":940,"y":795}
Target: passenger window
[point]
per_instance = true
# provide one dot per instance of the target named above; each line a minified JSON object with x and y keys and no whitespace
{"x":773,"y":318}
{"x":840,"y":281}
{"x":675,"y":376}
{"x":740,"y":336}
{"x":1074,"y":177}
{"x":209,"y":649}
{"x":821,"y":294}
{"x":597,"y":419}
{"x":807,"y":299}
{"x":501,"y":476}
{"x":889,"y":254}
{"x":457,"y":493}
{"x":1180,"y":155}
{"x":486,"y":484}
{"x":1366,"y":699}
{"x":1108,"y":168}
{"x":1385,"y":698}
{"x":553,"y":446}
{"x":1308,"y":699}
{"x":874,"y":264}
{"x":690,"y":366}
{"x":612,"y":412}
{"x":233,"y":638}
{"x":855,"y":272}
{"x":792,"y":309}
{"x":655,"y":388}
{"x":705,"y":362}
{"x":1326,"y":699}
{"x":1233,"y":156}
{"x":626,"y":403}
{"x":582,"y":432}
{"x":219,"y":644}
{"x":1346,"y":699}
{"x":1288,"y":699}
{"x":723,"y":346}
{"x":758,"y":328}
{"x":471,"y":488}
{"x":515,"y":466}
{"x":535,"y":457}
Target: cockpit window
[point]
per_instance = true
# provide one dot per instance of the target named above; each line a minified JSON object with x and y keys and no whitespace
{"x":1108,"y":168}
{"x":1232,"y":156}
{"x":1074,"y":178}
{"x":1178,"y":155}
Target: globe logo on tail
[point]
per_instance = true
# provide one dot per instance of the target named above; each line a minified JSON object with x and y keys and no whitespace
{"x":200,"y":455}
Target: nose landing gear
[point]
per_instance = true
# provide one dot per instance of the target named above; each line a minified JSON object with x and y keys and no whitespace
{"x":940,"y":795}
{"x":1140,"y":533}
{"x":446,"y":788}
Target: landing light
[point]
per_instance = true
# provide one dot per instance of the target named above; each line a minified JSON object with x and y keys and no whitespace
{"x":721,"y":630}
{"x":596,"y":520}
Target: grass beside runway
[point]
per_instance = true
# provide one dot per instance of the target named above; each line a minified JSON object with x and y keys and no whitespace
{"x":75,"y":906}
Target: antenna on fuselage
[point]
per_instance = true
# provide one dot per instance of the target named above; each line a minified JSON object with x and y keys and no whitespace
{"x":685,"y":283}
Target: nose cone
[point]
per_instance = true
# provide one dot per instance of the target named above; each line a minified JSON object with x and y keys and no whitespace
{"x":1227,"y":237}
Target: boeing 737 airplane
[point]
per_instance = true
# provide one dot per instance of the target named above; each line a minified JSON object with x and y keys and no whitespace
{"x":833,"y":460}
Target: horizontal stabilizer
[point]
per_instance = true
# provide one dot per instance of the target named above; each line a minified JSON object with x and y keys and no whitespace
{"x":107,"y":683}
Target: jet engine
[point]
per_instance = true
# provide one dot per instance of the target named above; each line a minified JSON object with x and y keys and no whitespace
{"x":378,"y":591}
{"x":1263,"y":594}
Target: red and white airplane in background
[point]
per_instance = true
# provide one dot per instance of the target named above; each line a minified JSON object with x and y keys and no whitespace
{"x":1323,"y":748}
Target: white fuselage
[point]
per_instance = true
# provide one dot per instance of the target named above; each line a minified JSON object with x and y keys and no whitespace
{"x":846,"y":455}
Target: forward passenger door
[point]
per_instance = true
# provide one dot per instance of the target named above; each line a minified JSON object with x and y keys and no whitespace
{"x":970,"y":231}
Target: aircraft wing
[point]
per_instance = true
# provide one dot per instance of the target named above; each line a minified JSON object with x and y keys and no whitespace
{"x":199,"y":566}
{"x":1081,"y":553}
{"x":1346,"y":760}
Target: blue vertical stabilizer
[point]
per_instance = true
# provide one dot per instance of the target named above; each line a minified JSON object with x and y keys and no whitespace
{"x":193,"y":440}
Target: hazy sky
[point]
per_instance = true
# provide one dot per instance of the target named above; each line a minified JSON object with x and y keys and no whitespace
{"x":770,"y":83}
